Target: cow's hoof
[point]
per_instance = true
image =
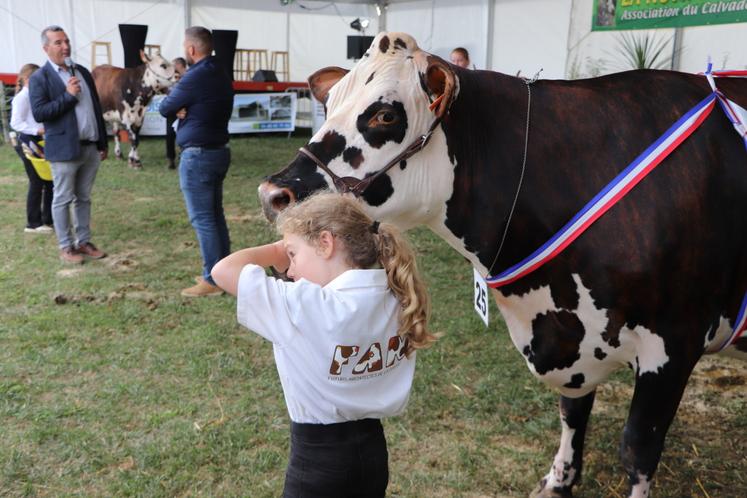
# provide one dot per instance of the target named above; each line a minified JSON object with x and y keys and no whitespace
{"x":171,"y":165}
{"x":118,"y":156}
{"x":135,"y":164}
{"x":542,"y":492}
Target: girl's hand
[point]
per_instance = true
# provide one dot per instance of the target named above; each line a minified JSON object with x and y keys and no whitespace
{"x":40,"y":131}
{"x":227,"y":271}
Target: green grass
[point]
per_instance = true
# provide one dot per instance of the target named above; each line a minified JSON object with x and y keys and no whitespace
{"x":127,"y":389}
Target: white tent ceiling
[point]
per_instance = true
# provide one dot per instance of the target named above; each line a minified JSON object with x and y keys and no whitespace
{"x":504,"y":35}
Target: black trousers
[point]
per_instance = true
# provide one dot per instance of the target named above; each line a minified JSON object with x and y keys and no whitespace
{"x":39,"y":197}
{"x":345,"y":460}
{"x":170,"y":139}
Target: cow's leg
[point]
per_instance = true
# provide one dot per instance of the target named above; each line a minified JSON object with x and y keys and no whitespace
{"x":117,"y":146}
{"x":566,"y":468}
{"x":133,"y":160}
{"x":655,"y":400}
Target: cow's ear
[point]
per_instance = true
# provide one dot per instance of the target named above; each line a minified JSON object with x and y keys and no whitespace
{"x":144,"y":57}
{"x":441,"y":82}
{"x":323,"y":80}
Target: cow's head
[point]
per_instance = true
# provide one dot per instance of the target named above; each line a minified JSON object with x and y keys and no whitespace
{"x":385,"y":104}
{"x":159,"y":72}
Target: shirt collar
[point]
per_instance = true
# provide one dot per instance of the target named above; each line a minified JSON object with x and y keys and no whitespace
{"x":352,"y":279}
{"x":56,"y":66}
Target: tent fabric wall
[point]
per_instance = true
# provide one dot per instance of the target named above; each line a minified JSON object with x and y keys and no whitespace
{"x":313,"y":38}
{"x":266,"y":30}
{"x":310,"y":51}
{"x":526,"y":34}
{"x":726,"y":46}
{"x":99,"y":20}
{"x":86,"y":21}
{"x":530,"y":35}
{"x":592,"y":53}
{"x":441,"y":25}
{"x":24,"y":20}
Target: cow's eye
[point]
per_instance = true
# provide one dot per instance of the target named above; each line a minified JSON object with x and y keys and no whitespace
{"x":163,"y":66}
{"x":385,"y":117}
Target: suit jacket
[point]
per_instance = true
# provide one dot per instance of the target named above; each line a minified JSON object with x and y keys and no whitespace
{"x":55,"y":108}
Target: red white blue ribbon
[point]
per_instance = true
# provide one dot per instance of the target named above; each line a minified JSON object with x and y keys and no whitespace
{"x":736,"y":114}
{"x":629,"y":178}
{"x":610,"y":195}
{"x":739,"y":327}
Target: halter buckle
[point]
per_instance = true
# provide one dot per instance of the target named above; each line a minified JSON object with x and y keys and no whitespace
{"x":424,"y":139}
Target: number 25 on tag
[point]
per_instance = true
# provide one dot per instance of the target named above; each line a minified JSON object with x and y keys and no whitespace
{"x":481,"y":297}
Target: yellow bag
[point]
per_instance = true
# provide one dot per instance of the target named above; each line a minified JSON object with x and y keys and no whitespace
{"x":41,"y":165}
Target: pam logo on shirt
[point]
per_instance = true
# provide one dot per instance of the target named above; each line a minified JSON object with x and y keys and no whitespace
{"x":372,"y":360}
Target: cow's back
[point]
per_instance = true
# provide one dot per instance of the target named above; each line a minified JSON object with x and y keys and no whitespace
{"x":109,"y":85}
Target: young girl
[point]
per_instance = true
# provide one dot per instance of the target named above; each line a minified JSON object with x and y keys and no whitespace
{"x":344,"y":332}
{"x":460,"y":57}
{"x":39,"y":197}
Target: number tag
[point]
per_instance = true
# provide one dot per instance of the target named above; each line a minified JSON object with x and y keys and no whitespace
{"x":481,"y":297}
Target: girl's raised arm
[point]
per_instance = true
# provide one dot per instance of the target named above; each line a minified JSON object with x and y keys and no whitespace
{"x":227,"y":271}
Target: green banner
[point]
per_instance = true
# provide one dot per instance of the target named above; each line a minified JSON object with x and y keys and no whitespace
{"x":650,"y":14}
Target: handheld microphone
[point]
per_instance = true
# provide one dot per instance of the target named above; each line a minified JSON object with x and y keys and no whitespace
{"x":70,"y":64}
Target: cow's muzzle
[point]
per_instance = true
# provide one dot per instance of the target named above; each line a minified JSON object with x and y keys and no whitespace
{"x":274,"y":199}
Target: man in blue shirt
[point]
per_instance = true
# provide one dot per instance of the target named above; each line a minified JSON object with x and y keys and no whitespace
{"x":203,"y":102}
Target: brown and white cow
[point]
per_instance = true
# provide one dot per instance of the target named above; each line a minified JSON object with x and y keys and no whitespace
{"x":653,"y":285}
{"x":125,"y":94}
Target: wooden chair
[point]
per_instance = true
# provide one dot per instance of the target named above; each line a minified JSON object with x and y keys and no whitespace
{"x":280,"y":57}
{"x":151,"y":50}
{"x":96,"y":52}
{"x":247,"y":61}
{"x":241,"y":64}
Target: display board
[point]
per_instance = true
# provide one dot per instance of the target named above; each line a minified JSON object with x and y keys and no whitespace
{"x":252,"y":113}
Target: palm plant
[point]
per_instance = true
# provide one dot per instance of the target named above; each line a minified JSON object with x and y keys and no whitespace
{"x":643,"y":51}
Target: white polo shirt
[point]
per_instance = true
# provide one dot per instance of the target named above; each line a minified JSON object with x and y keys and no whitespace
{"x":336,"y":347}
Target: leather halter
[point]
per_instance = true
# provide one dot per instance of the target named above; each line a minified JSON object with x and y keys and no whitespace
{"x":357,"y":186}
{"x":159,"y":79}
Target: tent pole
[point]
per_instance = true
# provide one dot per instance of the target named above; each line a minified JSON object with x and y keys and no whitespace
{"x":71,"y":33}
{"x":568,"y":47}
{"x":381,"y":5}
{"x":187,"y":14}
{"x":676,"y":49}
{"x":490,"y":34}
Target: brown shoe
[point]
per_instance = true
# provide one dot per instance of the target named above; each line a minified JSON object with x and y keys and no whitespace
{"x":89,"y":250}
{"x":70,"y":255}
{"x":202,"y":289}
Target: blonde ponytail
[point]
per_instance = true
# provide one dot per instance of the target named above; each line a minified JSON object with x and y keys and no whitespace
{"x":24,"y":74}
{"x":398,"y":260}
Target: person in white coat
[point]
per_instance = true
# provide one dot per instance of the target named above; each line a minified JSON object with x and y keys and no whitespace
{"x":29,"y":133}
{"x":344,"y":335}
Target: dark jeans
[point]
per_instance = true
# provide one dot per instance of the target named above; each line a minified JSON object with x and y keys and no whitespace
{"x":346,"y":460}
{"x":201,"y":175}
{"x":39,"y":197}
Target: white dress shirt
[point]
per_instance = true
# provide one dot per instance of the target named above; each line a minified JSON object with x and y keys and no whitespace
{"x":84,"y":110}
{"x":336,"y":347}
{"x":21,"y":118}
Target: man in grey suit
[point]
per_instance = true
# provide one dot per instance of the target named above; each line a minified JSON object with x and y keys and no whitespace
{"x":63,"y":97}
